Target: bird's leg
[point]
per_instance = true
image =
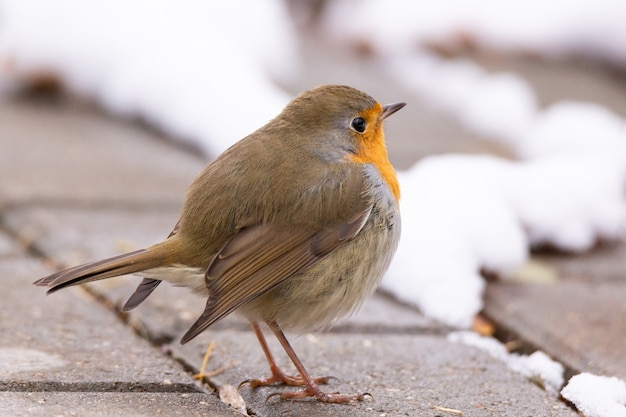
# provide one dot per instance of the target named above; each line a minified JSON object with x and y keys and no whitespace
{"x":312,"y":388}
{"x":278,"y":376}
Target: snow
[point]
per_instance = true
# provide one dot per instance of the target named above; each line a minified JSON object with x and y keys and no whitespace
{"x":575,"y":128}
{"x":553,"y":28}
{"x":538,"y":367}
{"x":189,"y":68}
{"x":597,"y":396}
{"x":463,"y":225}
{"x":462,"y":214}
{"x":492,"y":105}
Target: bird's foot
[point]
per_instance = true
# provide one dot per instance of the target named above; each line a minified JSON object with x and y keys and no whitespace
{"x":279,"y":377}
{"x":319,"y":395}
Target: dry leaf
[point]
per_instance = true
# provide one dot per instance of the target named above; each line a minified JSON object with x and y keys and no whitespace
{"x":230,"y":395}
{"x":482,"y":326}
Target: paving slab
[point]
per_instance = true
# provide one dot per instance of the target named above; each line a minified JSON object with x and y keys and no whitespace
{"x":65,"y":152}
{"x":557,"y":80}
{"x":74,"y":234}
{"x":69,"y":352}
{"x":606,"y":263}
{"x":581,"y":323}
{"x":407,"y":375}
{"x":107,"y":404}
{"x":388,"y":349}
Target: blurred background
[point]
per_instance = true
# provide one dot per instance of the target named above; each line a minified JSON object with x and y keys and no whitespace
{"x":530,"y":94}
{"x":208,"y":74}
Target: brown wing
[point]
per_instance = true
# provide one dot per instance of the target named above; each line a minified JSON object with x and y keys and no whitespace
{"x":260,"y":257}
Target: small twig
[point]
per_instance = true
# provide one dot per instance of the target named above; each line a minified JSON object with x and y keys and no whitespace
{"x":200,"y":376}
{"x":222,"y":369}
{"x":448,"y":410}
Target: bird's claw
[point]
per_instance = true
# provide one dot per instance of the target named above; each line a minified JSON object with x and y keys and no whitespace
{"x":320,"y":396}
{"x":281,"y":378}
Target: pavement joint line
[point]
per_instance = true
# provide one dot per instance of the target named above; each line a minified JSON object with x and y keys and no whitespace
{"x":504,"y":335}
{"x":375,"y":329}
{"x":33,"y":250}
{"x":115,"y":386}
{"x":356,"y":329}
{"x":30,"y":248}
{"x":209,"y":387}
{"x":186,"y":145}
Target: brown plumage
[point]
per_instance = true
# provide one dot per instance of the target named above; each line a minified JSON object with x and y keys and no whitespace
{"x":293,"y":226}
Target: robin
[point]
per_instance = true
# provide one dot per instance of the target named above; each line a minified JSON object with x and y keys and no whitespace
{"x":293,"y":226}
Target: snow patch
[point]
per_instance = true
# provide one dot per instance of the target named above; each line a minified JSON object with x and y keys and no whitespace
{"x":597,"y":396}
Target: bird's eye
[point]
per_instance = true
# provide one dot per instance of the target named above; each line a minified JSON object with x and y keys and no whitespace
{"x":358,"y":124}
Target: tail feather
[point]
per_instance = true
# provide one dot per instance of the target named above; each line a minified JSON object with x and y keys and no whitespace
{"x":144,"y":289}
{"x":127,"y":263}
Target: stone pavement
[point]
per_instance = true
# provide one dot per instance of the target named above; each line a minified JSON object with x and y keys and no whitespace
{"x":76,"y":185}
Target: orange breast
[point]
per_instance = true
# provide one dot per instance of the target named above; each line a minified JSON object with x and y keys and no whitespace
{"x":373,"y":151}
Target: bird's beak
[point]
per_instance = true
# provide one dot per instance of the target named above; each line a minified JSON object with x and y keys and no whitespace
{"x":390,"y":109}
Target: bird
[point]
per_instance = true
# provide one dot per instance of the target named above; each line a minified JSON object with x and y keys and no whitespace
{"x":293,"y":226}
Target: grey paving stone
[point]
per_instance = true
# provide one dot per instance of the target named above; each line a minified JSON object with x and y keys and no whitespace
{"x":70,"y":344}
{"x":73,"y":235}
{"x":108,"y":404}
{"x":68,"y":153}
{"x":557,"y":80}
{"x":408,"y":375}
{"x":577,"y":319}
{"x":604,"y":264}
{"x":580,"y":323}
{"x":386,"y":334}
